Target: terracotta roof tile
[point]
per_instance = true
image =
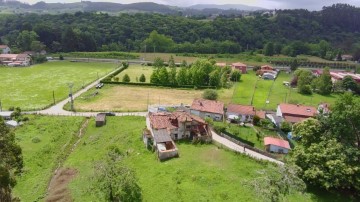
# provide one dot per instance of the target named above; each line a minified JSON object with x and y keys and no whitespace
{"x":276,"y":142}
{"x":238,"y":64}
{"x":297,"y":110}
{"x":210,"y":106}
{"x":241,"y":109}
{"x":3,"y":46}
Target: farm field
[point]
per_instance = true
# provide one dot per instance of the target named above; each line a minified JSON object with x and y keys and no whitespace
{"x":41,"y":158}
{"x":32,"y":88}
{"x":275,"y":92}
{"x":133,"y":98}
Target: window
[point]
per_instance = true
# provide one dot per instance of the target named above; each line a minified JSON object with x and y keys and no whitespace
{"x":176,"y":136}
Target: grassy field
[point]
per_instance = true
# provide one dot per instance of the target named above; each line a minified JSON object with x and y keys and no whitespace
{"x":273,"y":91}
{"x":202,"y":173}
{"x":32,"y":88}
{"x":133,"y":98}
{"x":40,"y":159}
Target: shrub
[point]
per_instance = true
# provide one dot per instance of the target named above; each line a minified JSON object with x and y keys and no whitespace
{"x":25,"y":119}
{"x":116,"y":79}
{"x":126,"y":78}
{"x":142,"y":78}
{"x":306,"y":90}
{"x":61,"y":57}
{"x":256,"y":120}
{"x":36,"y":140}
{"x":285,"y":127}
{"x":220,"y":129}
{"x":210,"y":94}
{"x":209,"y":120}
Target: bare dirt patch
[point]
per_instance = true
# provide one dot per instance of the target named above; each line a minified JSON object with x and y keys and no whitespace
{"x":58,"y":188}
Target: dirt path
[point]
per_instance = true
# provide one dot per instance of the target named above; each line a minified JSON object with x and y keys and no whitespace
{"x":58,"y":186}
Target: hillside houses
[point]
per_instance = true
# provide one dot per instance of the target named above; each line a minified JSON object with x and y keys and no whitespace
{"x":338,"y":75}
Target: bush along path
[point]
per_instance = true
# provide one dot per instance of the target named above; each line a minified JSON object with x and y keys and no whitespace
{"x":57,"y":187}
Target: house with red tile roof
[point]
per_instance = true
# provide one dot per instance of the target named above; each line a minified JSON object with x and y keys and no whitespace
{"x":244,"y":112}
{"x":208,"y":108}
{"x":4,"y":49}
{"x":239,"y":66}
{"x":166,"y":127}
{"x":15,"y":59}
{"x":295,"y":113}
{"x":276,"y":145}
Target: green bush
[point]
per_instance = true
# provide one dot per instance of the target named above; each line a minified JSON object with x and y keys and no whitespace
{"x":286,"y":127}
{"x":210,"y":94}
{"x":256,"y":120}
{"x":126,"y":78}
{"x":36,"y":140}
{"x":220,"y":128}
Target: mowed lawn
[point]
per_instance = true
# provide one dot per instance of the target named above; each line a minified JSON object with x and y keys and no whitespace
{"x":133,"y":98}
{"x":202,"y":173}
{"x":135,"y":71}
{"x":32,"y":87}
{"x":273,"y":92}
{"x":41,"y":158}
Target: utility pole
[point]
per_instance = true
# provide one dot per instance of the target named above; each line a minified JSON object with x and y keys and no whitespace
{"x":0,"y":106}
{"x":54,"y":97}
{"x":71,"y":85}
{"x":145,"y":53}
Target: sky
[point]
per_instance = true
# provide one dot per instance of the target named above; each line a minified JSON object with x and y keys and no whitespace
{"x":269,"y":4}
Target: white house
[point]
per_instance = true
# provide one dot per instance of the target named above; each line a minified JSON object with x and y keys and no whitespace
{"x":208,"y":108}
{"x":4,"y":49}
{"x":269,"y":76}
{"x":276,"y":145}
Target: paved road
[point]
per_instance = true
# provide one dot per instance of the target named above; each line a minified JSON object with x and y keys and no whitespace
{"x":59,"y":111}
{"x":227,"y":143}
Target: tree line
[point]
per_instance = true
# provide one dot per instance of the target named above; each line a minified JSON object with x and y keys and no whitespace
{"x":201,"y":73}
{"x":89,"y":31}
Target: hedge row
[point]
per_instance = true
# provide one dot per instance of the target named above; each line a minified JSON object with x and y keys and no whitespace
{"x":157,"y":85}
{"x":108,"y":78}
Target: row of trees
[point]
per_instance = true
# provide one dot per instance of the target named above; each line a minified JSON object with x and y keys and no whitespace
{"x":201,"y":73}
{"x":329,"y":148}
{"x":322,"y":49}
{"x":291,"y":32}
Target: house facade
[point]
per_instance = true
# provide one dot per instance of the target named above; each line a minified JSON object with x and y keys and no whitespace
{"x":276,"y":145}
{"x":208,"y":109}
{"x":15,"y":59}
{"x":166,"y":127}
{"x":295,"y":113}
{"x":4,"y":49}
{"x":245,"y":113}
{"x":239,"y":66}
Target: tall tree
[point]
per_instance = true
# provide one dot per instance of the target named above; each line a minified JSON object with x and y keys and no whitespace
{"x":181,"y":77}
{"x":324,"y":83}
{"x":25,"y":39}
{"x":269,"y":49}
{"x":171,"y":62}
{"x":329,"y":150}
{"x":172,"y":76}
{"x":11,"y":161}
{"x":304,"y":81}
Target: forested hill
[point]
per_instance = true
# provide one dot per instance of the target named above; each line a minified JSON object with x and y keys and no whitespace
{"x":299,"y":30}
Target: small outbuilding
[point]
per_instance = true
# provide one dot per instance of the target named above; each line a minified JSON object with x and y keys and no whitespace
{"x":239,"y":66}
{"x":276,"y":145}
{"x":12,"y":124}
{"x":100,"y":119}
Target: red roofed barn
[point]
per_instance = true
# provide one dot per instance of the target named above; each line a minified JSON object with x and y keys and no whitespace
{"x":208,"y":108}
{"x":239,"y":66}
{"x":276,"y":145}
{"x":295,"y":113}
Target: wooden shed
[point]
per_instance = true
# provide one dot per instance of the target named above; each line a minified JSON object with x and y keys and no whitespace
{"x":100,"y":119}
